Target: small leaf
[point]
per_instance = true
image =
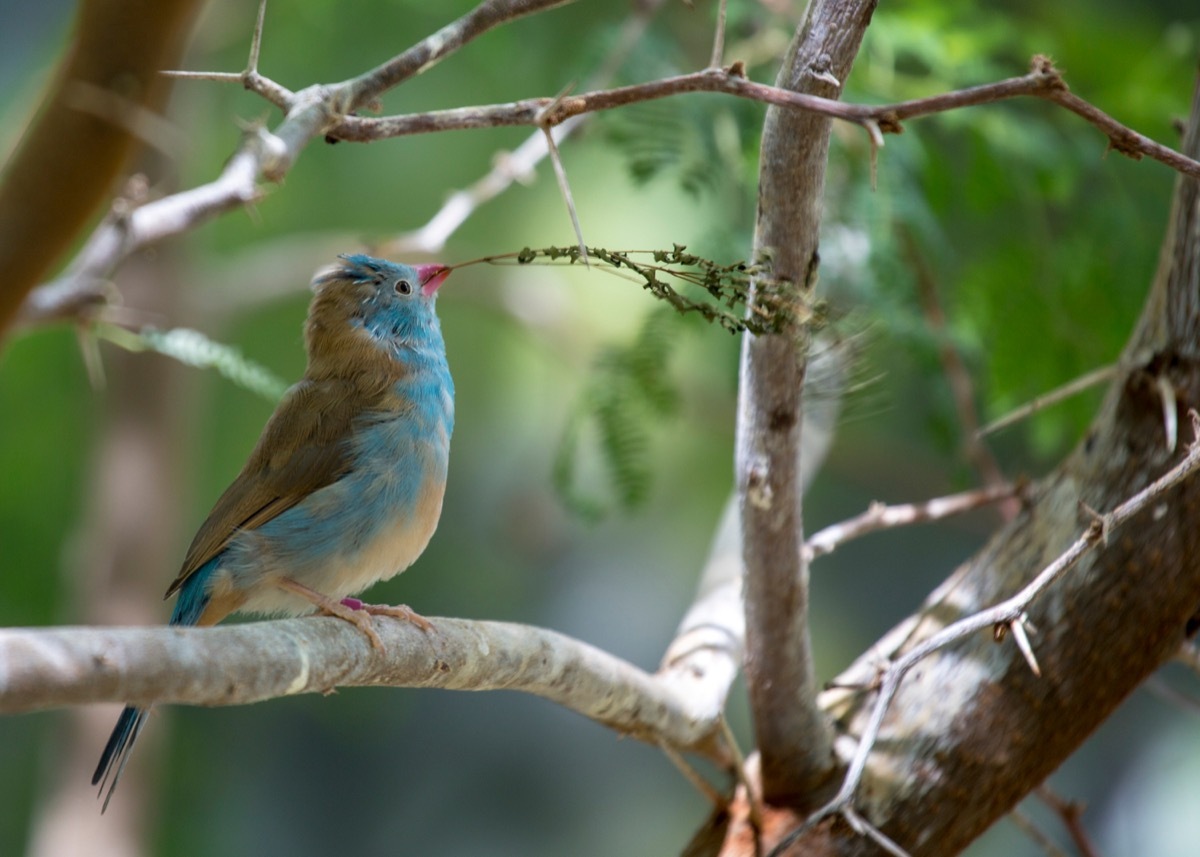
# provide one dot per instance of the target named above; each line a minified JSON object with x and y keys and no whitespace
{"x":195,"y":349}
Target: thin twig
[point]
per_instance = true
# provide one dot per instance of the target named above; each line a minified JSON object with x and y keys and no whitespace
{"x":1043,"y":81}
{"x":560,"y":174}
{"x":1159,"y":687}
{"x":217,"y":76}
{"x":718,"y":49}
{"x":431,"y":50}
{"x":692,"y":775}
{"x":957,"y":376}
{"x":1037,"y":403}
{"x":519,"y":164}
{"x":256,"y":40}
{"x":881,"y":517}
{"x":864,"y":828}
{"x":1070,"y":812}
{"x":1027,"y":826}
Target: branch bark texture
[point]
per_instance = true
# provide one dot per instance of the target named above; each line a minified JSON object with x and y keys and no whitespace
{"x":974,"y":713}
{"x":252,"y":662}
{"x":793,"y":737}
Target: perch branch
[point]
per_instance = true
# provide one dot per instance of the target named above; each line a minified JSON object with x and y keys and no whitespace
{"x":239,"y":664}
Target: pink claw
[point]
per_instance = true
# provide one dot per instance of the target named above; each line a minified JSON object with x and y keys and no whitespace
{"x":352,"y":603}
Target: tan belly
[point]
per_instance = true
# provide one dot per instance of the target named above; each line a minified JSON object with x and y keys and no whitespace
{"x":393,"y":549}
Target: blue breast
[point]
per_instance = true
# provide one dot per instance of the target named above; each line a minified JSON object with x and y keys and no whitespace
{"x":376,"y":519}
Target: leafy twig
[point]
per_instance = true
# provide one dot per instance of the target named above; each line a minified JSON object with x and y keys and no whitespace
{"x":196,"y":349}
{"x":727,"y":285}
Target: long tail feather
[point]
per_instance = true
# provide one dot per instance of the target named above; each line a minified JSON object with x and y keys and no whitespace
{"x":116,"y":751}
{"x":193,"y":598}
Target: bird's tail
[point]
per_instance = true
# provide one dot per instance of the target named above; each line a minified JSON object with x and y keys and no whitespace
{"x":116,"y":751}
{"x":193,"y":598}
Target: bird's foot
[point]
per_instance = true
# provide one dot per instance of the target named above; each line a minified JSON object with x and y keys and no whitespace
{"x":398,"y":611}
{"x":351,"y":610}
{"x":357,"y":618}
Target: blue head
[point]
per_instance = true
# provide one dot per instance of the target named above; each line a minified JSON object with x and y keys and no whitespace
{"x":366,"y":308}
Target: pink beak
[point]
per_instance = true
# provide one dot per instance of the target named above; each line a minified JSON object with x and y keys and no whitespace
{"x":431,"y":276}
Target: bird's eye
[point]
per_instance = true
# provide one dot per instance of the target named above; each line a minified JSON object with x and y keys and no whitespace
{"x":403,"y":287}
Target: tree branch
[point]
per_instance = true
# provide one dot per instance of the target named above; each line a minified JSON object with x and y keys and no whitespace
{"x":1008,"y":613}
{"x":958,"y":377}
{"x":881,"y":517}
{"x":92,"y":120}
{"x":975,"y":713}
{"x":267,"y":153}
{"x":430,"y":51}
{"x":1043,"y":81}
{"x":518,"y":164}
{"x":324,"y":109}
{"x":794,"y":739}
{"x":252,"y":662}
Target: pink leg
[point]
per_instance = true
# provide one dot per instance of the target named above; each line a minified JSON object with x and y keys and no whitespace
{"x":399,"y":611}
{"x":328,"y":606}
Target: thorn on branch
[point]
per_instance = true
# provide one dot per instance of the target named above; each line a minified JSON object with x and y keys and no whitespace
{"x":1100,"y":524}
{"x":1042,"y":66}
{"x":1170,"y":407}
{"x":1021,"y":627}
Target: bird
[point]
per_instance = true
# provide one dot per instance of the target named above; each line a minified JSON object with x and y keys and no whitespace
{"x":345,"y":485}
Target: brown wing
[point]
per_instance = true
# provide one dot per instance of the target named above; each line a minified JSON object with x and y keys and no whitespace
{"x":302,"y":449}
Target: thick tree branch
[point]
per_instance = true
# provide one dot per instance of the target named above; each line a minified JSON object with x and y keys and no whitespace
{"x":101,"y":106}
{"x":794,"y":740}
{"x":1010,"y":614}
{"x":246,"y":663}
{"x":975,"y":713}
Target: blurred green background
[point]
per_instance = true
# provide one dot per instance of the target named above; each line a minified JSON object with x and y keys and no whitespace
{"x":1041,"y":247}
